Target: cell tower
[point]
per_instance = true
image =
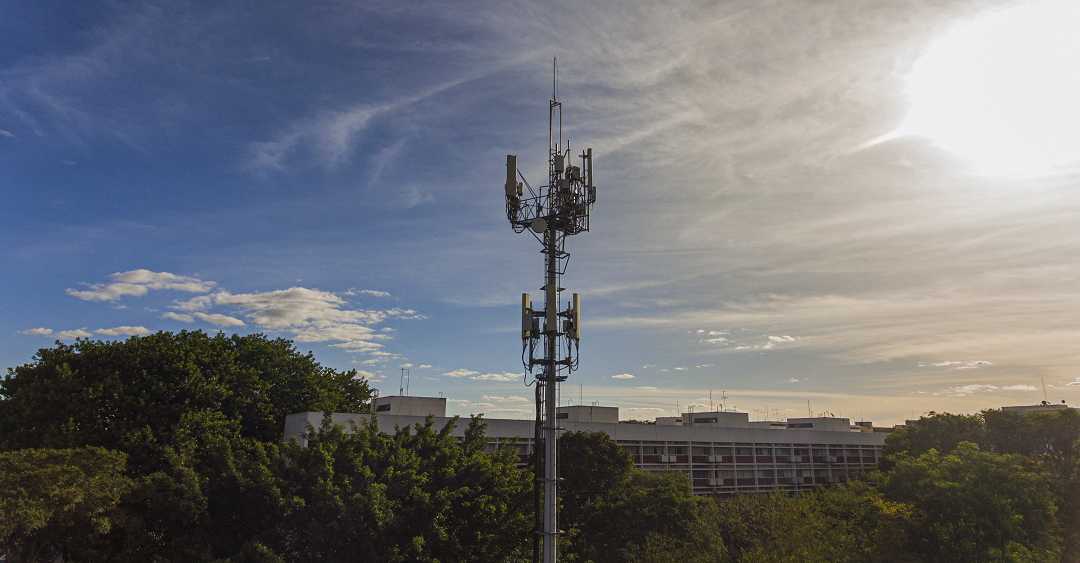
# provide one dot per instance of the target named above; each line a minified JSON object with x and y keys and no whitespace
{"x":557,"y":210}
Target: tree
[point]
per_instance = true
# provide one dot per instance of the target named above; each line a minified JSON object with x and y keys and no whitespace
{"x":51,"y":500}
{"x":1052,"y":441}
{"x":650,"y":518}
{"x":849,"y":523}
{"x":973,"y":506}
{"x":200,"y":418}
{"x":100,"y":392}
{"x":938,"y":431}
{"x":592,"y":465}
{"x":416,"y":495}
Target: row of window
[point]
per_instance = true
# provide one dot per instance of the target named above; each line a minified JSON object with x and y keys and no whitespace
{"x":745,"y":451}
{"x":760,"y":473}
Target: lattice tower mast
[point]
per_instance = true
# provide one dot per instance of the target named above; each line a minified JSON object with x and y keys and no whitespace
{"x":551,"y":213}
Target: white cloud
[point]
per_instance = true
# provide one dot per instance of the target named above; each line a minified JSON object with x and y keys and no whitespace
{"x":1019,"y":388}
{"x":297,"y":307}
{"x":966,"y":390}
{"x":509,"y":399}
{"x":194,"y":304}
{"x":1073,"y":383}
{"x":38,"y":331}
{"x":460,"y":373}
{"x":62,"y":335}
{"x":623,"y":376}
{"x":360,"y":347}
{"x":366,"y":374}
{"x":122,"y":330}
{"x":179,"y":317}
{"x":223,"y":320}
{"x":646,"y":388}
{"x":137,"y":282}
{"x":717,"y":332}
{"x":781,"y":339}
{"x":680,"y":369}
{"x":424,"y":366}
{"x":974,"y":364}
{"x":793,"y":380}
{"x":717,"y":340}
{"x":406,"y":366}
{"x":374,"y":293}
{"x":505,"y":376}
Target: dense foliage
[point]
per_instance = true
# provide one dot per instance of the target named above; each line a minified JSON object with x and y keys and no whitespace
{"x":168,"y":448}
{"x":51,"y":499}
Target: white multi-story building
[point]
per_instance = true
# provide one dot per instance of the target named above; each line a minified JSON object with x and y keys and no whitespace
{"x":721,"y":452}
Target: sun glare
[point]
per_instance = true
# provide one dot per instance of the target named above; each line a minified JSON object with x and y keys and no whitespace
{"x":1003,"y":91}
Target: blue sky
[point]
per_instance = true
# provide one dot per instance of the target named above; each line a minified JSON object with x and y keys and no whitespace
{"x":779,"y":216}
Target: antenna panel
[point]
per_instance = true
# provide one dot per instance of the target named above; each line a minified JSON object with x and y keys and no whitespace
{"x":575,"y":318}
{"x":526,"y":317}
{"x":511,"y":175}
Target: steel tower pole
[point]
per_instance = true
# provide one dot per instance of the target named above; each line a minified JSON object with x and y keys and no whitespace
{"x":551,"y":476}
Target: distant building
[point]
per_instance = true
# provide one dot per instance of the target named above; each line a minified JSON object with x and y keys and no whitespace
{"x":721,"y":452}
{"x":1045,"y":406}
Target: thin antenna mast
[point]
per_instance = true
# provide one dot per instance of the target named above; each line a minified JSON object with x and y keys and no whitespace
{"x":559,"y":210}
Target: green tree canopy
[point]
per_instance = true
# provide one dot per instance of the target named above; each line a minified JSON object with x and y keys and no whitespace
{"x":101,"y":392}
{"x":938,"y":431}
{"x":846,"y":524}
{"x":416,"y":495}
{"x":973,"y":506}
{"x":200,"y":418}
{"x":51,"y":500}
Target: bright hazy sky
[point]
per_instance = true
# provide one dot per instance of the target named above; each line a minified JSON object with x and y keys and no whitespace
{"x":870,"y":206}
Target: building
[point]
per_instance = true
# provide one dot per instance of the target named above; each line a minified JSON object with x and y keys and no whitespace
{"x":721,"y":452}
{"x":1045,"y":406}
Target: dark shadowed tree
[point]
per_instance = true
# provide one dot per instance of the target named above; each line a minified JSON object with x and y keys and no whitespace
{"x":649,"y":519}
{"x":592,"y":465}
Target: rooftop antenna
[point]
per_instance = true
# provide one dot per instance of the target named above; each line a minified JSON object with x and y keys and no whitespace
{"x":401,"y":384}
{"x":1046,"y":400}
{"x":550,"y":214}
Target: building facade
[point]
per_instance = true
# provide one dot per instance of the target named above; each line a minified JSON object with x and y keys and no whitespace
{"x":721,"y":452}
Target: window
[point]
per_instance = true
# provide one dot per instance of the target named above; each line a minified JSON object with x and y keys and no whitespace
{"x":652,"y":450}
{"x":676,"y":450}
{"x":820,"y":452}
{"x":744,"y":451}
{"x":698,"y":450}
{"x":765,"y":473}
{"x":745,"y":474}
{"x":726,"y":474}
{"x":821,"y":473}
{"x":701,"y":474}
{"x":764,"y":451}
{"x":382,"y":408}
{"x":632,"y":450}
{"x":724,"y":451}
{"x":783,"y":451}
{"x":783,"y":473}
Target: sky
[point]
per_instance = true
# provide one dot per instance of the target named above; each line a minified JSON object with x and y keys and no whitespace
{"x":866,"y":209}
